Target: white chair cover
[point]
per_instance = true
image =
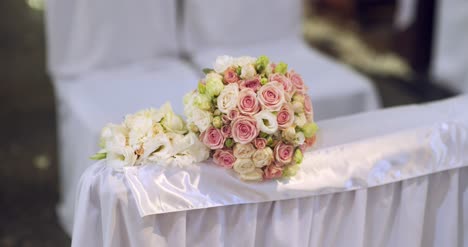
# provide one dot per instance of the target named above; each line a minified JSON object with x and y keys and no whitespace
{"x":450,"y":59}
{"x":272,"y":28}
{"x":87,"y":35}
{"x":107,"y":59}
{"x":427,"y":210}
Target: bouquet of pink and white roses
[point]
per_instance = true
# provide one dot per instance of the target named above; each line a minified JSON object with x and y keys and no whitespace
{"x":254,"y":115}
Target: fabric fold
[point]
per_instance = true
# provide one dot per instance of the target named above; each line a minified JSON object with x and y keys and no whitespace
{"x":359,"y":165}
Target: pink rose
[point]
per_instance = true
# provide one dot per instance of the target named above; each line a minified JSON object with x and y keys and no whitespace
{"x":226,"y":130}
{"x":233,"y":114}
{"x":225,"y":119}
{"x":285,"y":117}
{"x":288,"y":87}
{"x":253,"y":84}
{"x":248,"y":103}
{"x":273,"y":171}
{"x":309,"y":110}
{"x":284,"y":152}
{"x":271,"y":96}
{"x":213,"y":138}
{"x":260,"y":143}
{"x":244,"y":129}
{"x":230,"y":75}
{"x":296,"y":80}
{"x":224,"y":158}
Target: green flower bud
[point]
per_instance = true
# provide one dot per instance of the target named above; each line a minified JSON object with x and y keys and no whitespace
{"x":201,"y":88}
{"x":214,"y":87}
{"x":216,"y":112}
{"x":264,"y":81}
{"x":281,"y":68}
{"x":309,"y":129}
{"x":99,"y":156}
{"x":270,"y":141}
{"x":229,"y":143}
{"x":298,"y":156}
{"x":203,"y":102}
{"x":290,"y":171}
{"x":217,"y":122}
{"x":261,"y":63}
{"x":264,"y":135}
{"x":239,"y":71}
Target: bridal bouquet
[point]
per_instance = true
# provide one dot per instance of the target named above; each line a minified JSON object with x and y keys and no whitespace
{"x":150,"y":136}
{"x":255,"y":116}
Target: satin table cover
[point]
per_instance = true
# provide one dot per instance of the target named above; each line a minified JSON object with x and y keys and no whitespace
{"x":395,"y":177}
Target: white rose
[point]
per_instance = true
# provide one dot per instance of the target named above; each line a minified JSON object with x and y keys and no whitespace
{"x":243,"y":166}
{"x":248,"y":71}
{"x":222,"y":63}
{"x":267,"y":122}
{"x":244,"y":61}
{"x":262,"y":157}
{"x":120,"y":158}
{"x":243,"y":151}
{"x":228,"y":98}
{"x":255,"y":175}
{"x":300,"y":120}
{"x":213,"y":76}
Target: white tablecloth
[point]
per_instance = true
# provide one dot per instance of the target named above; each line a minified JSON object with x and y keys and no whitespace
{"x":395,"y":177}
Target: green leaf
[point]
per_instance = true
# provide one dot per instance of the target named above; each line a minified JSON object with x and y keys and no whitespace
{"x":99,"y":156}
{"x":207,"y":70}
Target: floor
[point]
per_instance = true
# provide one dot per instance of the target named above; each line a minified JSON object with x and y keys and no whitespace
{"x":28,"y":174}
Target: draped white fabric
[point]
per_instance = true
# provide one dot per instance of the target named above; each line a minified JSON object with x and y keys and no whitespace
{"x":425,"y":211}
{"x":450,"y":60}
{"x":86,"y":35}
{"x":395,"y":177}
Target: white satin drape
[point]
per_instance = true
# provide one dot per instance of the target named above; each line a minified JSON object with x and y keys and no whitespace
{"x":396,"y":177}
{"x":426,"y":211}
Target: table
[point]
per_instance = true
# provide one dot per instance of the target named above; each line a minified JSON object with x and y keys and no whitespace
{"x":394,"y":177}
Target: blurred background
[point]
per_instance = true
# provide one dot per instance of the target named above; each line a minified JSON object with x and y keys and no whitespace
{"x":377,"y":38}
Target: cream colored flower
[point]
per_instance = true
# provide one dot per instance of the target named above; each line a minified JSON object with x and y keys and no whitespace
{"x":300,"y":120}
{"x":255,"y":175}
{"x":266,"y":122}
{"x":289,"y":134}
{"x":262,"y":157}
{"x":243,"y":151}
{"x":244,"y":166}
{"x":228,"y":98}
{"x":222,"y":63}
{"x":244,"y":61}
{"x":120,"y":158}
{"x":173,"y":123}
{"x":248,"y":71}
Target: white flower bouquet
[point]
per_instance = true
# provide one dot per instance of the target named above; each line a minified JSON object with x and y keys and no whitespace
{"x":149,"y":136}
